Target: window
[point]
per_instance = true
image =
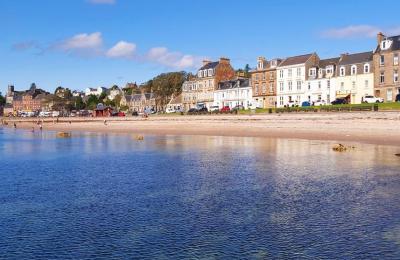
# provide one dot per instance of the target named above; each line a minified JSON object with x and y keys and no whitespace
{"x":298,"y":85}
{"x":395,"y":76}
{"x":353,"y":85}
{"x":264,"y":88}
{"x":328,"y":83}
{"x":290,"y":73}
{"x":382,"y":60}
{"x":312,"y":72}
{"x":342,"y":71}
{"x":329,"y":70}
{"x":366,"y":68}
{"x":353,"y":70}
{"x":281,"y":101}
{"x":309,"y":85}
{"x":290,"y":85}
{"x":382,"y":78}
{"x":210,"y":71}
{"x":271,"y":87}
{"x":319,"y":84}
{"x":264,"y":76}
{"x":281,"y":86}
{"x":366,"y":84}
{"x":256,"y":77}
{"x":341,"y":86}
{"x":298,"y":72}
{"x":281,"y":74}
{"x":396,"y":59}
{"x":271,"y":75}
{"x":260,"y":65}
{"x":256,"y":89}
{"x":389,"y":95}
{"x":200,"y":73}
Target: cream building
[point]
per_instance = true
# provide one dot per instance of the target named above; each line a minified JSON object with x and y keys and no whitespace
{"x":355,"y":77}
{"x":233,"y":93}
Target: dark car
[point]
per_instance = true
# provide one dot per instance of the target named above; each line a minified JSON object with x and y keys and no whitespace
{"x":398,"y":97}
{"x":193,"y":111}
{"x":135,"y":113}
{"x":339,"y":101}
{"x":203,"y":110}
{"x":306,"y":104}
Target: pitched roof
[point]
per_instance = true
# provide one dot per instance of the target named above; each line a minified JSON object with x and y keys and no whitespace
{"x":176,"y":100}
{"x":395,"y":43}
{"x":326,"y":62}
{"x":295,"y":60}
{"x":136,"y":97}
{"x":210,"y":65}
{"x":149,"y":95}
{"x":356,"y":58}
{"x":244,"y":83}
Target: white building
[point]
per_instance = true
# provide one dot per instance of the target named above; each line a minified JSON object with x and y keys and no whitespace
{"x":292,"y":75}
{"x":355,"y":77}
{"x":113,"y":92}
{"x":321,"y":83}
{"x":94,"y":91}
{"x":233,"y":93}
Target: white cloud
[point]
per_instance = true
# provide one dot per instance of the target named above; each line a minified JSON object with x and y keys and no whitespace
{"x":82,"y":44}
{"x":358,"y":31}
{"x":99,"y":2}
{"x":122,"y":50}
{"x":176,"y":60}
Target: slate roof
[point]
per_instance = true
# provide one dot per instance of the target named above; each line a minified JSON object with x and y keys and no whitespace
{"x":244,"y":83}
{"x":136,"y":97}
{"x":295,"y":60}
{"x":395,"y":45}
{"x":210,"y":65}
{"x":356,"y":58}
{"x":326,"y":62}
{"x":149,"y":95}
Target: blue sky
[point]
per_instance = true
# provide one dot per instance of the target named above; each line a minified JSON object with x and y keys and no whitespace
{"x":88,"y":43}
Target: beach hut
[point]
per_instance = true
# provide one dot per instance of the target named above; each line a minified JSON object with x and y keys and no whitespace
{"x":102,"y":111}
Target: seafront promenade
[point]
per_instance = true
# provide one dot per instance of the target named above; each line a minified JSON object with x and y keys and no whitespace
{"x":366,"y":127}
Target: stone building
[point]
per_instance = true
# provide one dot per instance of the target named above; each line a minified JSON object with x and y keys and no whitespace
{"x":387,"y":67}
{"x":263,"y":82}
{"x":200,"y":90}
{"x":140,"y":102}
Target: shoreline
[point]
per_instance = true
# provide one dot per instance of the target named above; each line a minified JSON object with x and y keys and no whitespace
{"x":381,"y":128}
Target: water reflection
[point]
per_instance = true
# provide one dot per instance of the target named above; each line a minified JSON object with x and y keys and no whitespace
{"x":111,"y":196}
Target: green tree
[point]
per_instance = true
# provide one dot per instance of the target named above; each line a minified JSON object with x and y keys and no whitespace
{"x":92,"y":102}
{"x":2,"y":100}
{"x":78,"y":103}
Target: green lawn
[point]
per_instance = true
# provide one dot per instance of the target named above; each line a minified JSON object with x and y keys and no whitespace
{"x":389,"y":106}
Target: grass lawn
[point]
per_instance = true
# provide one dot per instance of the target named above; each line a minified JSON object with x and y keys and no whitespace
{"x":389,"y":106}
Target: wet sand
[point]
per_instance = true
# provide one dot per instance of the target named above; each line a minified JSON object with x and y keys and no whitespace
{"x":366,"y":127}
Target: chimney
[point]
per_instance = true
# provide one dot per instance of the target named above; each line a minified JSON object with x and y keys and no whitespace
{"x":224,"y":60}
{"x":205,"y":62}
{"x":380,"y":37}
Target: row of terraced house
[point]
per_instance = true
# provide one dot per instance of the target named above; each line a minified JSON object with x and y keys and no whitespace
{"x":294,"y":80}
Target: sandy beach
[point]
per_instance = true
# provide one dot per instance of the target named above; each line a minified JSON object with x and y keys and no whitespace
{"x":366,"y":127}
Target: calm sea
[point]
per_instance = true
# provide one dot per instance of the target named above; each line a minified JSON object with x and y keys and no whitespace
{"x":97,"y":196}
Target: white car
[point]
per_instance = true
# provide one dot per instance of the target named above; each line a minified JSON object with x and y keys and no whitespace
{"x":170,"y":110}
{"x":214,"y":108}
{"x":372,"y":99}
{"x":319,"y":103}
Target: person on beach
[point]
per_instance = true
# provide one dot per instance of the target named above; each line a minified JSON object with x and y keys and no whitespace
{"x":105,"y":122}
{"x":40,"y":127}
{"x":15,"y":125}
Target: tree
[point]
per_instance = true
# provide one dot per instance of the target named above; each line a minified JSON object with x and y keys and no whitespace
{"x":78,"y":103}
{"x":247,"y":68}
{"x":2,"y":100}
{"x":92,"y":102}
{"x":102,"y":96}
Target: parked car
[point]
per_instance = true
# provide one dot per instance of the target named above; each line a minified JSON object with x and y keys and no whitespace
{"x":319,"y":103}
{"x":305,"y":104}
{"x":203,"y":110}
{"x":372,"y":99}
{"x":135,"y":113}
{"x":398,"y":97}
{"x":292,"y":104}
{"x":238,"y":107}
{"x":225,"y":109}
{"x":170,"y":110}
{"x":121,"y":114}
{"x":214,"y":108}
{"x":44,"y":114}
{"x":339,"y":101}
{"x":193,"y":111}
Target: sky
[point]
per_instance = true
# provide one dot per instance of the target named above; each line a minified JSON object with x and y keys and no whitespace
{"x":89,"y":43}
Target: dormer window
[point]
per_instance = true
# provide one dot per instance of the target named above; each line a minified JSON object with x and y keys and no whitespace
{"x":386,"y":44}
{"x":260,"y":65}
{"x":342,"y":71}
{"x":329,"y":70}
{"x":210,"y":72}
{"x":312,"y":72}
{"x":366,"y":68}
{"x":353,"y":70}
{"x":199,"y":74}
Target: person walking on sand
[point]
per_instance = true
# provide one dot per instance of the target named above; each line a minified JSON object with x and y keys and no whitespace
{"x":15,"y":125}
{"x":105,"y":122}
{"x":40,"y":127}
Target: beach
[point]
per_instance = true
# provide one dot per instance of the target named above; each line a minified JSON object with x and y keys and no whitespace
{"x":365,"y":127}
